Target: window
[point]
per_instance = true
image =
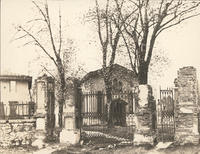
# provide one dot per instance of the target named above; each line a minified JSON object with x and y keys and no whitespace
{"x":120,"y":86}
{"x":131,"y":103}
{"x":50,"y":86}
{"x":117,"y":85}
{"x":12,"y":86}
{"x":114,"y":85}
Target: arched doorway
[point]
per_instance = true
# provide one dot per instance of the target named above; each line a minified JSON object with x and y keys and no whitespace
{"x":118,"y":108}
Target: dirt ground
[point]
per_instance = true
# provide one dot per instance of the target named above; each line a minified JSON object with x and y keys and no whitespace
{"x":64,"y":149}
{"x":131,"y":150}
{"x":19,"y":150}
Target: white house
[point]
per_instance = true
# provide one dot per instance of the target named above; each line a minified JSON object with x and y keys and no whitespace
{"x":15,"y":94}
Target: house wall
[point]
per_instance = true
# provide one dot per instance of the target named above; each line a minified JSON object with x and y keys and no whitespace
{"x":91,"y":86}
{"x":97,"y":83}
{"x":20,"y":92}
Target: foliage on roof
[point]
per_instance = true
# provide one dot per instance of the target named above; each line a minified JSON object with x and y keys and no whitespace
{"x":99,"y":73}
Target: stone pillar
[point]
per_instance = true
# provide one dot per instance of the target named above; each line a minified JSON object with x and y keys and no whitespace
{"x":144,"y":133}
{"x":44,"y":101}
{"x":186,"y":110}
{"x":41,"y":98}
{"x":70,"y":133}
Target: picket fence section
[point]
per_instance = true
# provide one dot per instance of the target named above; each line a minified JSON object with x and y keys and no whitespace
{"x":15,"y":110}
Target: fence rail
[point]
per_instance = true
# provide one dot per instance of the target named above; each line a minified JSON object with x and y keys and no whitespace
{"x":93,"y":115}
{"x":165,"y":116}
{"x":14,"y":110}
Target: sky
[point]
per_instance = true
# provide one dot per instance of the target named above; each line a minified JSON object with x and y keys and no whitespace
{"x":181,"y":44}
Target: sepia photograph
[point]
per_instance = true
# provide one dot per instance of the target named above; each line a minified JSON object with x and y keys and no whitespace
{"x":100,"y":77}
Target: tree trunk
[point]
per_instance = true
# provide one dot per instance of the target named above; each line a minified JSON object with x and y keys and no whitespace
{"x":60,"y":113}
{"x":143,"y":73}
{"x":109,"y":101}
{"x":108,"y":86}
{"x":61,"y":99}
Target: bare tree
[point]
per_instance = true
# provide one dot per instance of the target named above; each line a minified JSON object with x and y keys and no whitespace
{"x":50,"y":45}
{"x":106,"y":20}
{"x":143,"y":27}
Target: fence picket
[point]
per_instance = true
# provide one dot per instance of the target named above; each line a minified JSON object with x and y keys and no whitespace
{"x":95,"y":114}
{"x":165,"y":116}
{"x":18,"y":111}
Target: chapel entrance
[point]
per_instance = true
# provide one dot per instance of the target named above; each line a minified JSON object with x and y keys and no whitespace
{"x":118,"y":108}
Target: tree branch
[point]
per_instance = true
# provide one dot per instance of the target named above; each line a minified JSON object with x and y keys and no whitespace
{"x":107,"y":22}
{"x":40,"y":10}
{"x":34,"y":20}
{"x":50,"y":30}
{"x":133,"y":66}
{"x":48,"y":72}
{"x":38,"y":44}
{"x":178,"y":22}
{"x":60,"y":34}
{"x":99,"y":23}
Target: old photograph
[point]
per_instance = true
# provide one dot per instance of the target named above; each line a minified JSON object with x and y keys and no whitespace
{"x":100,"y":76}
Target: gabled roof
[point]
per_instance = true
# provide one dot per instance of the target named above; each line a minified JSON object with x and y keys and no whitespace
{"x":99,"y":72}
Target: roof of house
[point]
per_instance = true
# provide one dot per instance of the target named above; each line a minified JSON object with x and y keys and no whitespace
{"x":16,"y":78}
{"x":46,"y":77}
{"x":99,"y":72}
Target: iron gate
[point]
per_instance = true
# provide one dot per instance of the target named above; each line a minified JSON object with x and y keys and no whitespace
{"x":166,"y":122}
{"x":94,"y":116}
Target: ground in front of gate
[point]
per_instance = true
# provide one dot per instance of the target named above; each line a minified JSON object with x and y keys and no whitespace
{"x":93,"y":149}
{"x":189,"y":149}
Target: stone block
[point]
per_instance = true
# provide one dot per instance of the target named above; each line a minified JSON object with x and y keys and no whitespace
{"x":140,"y":139}
{"x":144,"y":133}
{"x":144,"y":92}
{"x":70,"y":136}
{"x":39,"y":143}
{"x":186,"y":110}
{"x":40,"y":124}
{"x":69,"y":123}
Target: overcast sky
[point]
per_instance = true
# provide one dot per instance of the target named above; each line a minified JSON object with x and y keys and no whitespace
{"x":181,"y":44}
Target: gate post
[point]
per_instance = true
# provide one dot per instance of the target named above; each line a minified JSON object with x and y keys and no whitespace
{"x":70,"y":132}
{"x":45,"y":104}
{"x":186,"y":109}
{"x":145,"y":117}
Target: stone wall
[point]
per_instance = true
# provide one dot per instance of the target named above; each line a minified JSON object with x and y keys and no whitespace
{"x":145,"y":117}
{"x":187,"y":85}
{"x":16,"y":132}
{"x":186,"y":110}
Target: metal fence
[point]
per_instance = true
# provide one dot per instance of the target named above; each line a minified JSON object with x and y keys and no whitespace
{"x":199,"y":122}
{"x":94,"y":115}
{"x":165,"y":116}
{"x":15,"y":110}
